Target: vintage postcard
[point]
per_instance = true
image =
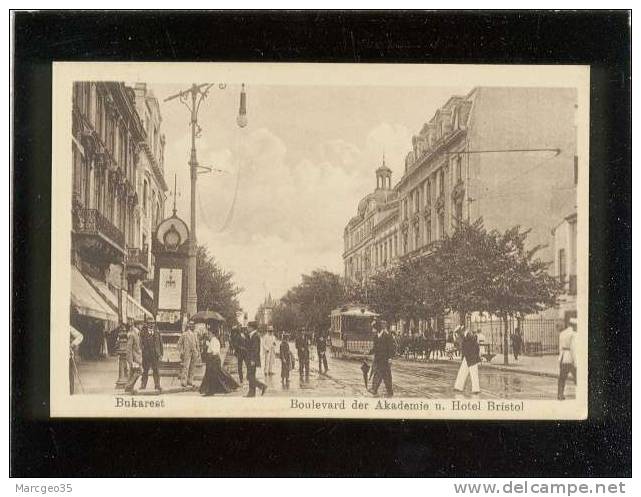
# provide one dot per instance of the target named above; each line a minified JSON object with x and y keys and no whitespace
{"x":319,"y":240}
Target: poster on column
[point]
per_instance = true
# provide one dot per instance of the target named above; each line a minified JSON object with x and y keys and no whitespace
{"x":169,"y":288}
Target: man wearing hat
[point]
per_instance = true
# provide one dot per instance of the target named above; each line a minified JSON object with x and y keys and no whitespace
{"x":383,"y":352}
{"x":470,"y":351}
{"x":189,"y":352}
{"x":567,"y":356}
{"x":253,"y":360}
{"x":152,"y":352}
{"x":134,"y":356}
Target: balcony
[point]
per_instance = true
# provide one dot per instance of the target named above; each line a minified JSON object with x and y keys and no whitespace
{"x":137,"y":263}
{"x":97,"y":239}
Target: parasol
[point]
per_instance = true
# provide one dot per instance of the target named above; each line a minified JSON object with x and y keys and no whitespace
{"x":203,"y":316}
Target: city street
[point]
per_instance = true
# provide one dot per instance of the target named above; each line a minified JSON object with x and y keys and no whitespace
{"x":410,"y":379}
{"x":344,"y":378}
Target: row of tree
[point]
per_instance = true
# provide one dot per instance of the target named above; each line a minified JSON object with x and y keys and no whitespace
{"x":470,"y":270}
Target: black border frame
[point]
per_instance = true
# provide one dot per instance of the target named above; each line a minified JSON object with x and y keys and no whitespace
{"x":600,"y":446}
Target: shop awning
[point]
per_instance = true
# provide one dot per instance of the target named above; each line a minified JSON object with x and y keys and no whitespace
{"x":87,"y":301}
{"x":148,"y":292}
{"x":103,"y":290}
{"x":136,"y":311}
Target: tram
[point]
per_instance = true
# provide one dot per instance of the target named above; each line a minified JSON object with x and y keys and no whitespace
{"x":351,"y":330}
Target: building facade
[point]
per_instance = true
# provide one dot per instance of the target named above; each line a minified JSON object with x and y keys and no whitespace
{"x":507,"y":155}
{"x":152,"y":187}
{"x":107,"y":267}
{"x":371,"y":236}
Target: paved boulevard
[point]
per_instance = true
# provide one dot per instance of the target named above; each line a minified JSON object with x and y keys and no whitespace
{"x":410,"y":379}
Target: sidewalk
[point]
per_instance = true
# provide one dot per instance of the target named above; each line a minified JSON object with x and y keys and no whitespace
{"x":547,"y":365}
{"x":99,"y":376}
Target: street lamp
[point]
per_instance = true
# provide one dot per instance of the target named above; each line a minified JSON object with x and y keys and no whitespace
{"x":192,"y":98}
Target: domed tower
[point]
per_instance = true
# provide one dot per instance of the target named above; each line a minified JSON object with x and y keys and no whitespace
{"x":383,"y":177}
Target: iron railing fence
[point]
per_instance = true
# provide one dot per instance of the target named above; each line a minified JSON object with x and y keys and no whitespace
{"x":540,"y":336}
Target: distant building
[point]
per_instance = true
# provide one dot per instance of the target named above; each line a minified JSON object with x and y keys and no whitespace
{"x":507,"y":155}
{"x":565,"y":268}
{"x":371,"y":236}
{"x":265,"y":312}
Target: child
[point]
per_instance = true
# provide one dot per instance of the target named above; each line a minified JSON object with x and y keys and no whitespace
{"x":365,"y":369}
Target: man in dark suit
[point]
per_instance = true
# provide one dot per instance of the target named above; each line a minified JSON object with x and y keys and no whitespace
{"x":384,"y":350}
{"x":239,"y":343}
{"x":321,"y":349}
{"x":253,"y":361}
{"x":302,"y":348}
{"x":152,"y":350}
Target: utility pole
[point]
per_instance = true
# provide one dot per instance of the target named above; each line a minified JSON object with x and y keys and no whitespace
{"x":192,"y":98}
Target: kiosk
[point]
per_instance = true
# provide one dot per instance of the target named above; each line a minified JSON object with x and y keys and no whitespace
{"x":170,"y":247}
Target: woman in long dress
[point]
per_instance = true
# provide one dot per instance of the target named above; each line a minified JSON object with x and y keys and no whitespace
{"x":216,"y":379}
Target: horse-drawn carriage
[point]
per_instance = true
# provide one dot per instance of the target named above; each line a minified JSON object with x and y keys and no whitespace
{"x":351,"y":330}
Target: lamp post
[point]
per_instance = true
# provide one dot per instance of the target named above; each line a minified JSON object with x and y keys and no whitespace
{"x":192,"y":98}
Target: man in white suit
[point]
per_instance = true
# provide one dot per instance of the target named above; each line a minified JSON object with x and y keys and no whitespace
{"x":567,"y":356}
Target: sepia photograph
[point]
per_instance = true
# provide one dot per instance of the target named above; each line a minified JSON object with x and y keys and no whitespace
{"x":315,"y":240}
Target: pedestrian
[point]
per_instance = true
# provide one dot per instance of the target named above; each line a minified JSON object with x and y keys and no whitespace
{"x":134,"y":357}
{"x":383,"y":352}
{"x":567,"y":356}
{"x":152,"y":351}
{"x":269,"y":351}
{"x":216,"y":379}
{"x":321,"y":349}
{"x":302,"y":349}
{"x":365,"y":370}
{"x":189,"y":355}
{"x":470,"y":362}
{"x":286,"y":359}
{"x":517,"y":343}
{"x":75,"y":339}
{"x":240,"y":350}
{"x":253,"y":360}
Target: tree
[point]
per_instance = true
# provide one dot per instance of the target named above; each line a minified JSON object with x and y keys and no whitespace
{"x":464,"y":262}
{"x":493,"y":272}
{"x":215,"y":287}
{"x":315,"y":298}
{"x":287,"y":316}
{"x":521,"y":283}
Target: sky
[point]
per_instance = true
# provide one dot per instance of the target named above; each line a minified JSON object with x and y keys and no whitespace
{"x":293,"y":176}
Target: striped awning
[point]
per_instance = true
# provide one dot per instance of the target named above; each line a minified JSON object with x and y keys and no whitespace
{"x":136,"y":311}
{"x":87,"y":301}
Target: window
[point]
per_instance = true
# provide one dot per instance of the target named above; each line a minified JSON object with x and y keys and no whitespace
{"x":459,"y":168}
{"x":441,"y":225}
{"x":458,"y":212}
{"x":576,"y":169}
{"x":428,"y":193}
{"x":417,"y":200}
{"x":428,"y":231}
{"x":417,"y":237}
{"x":562,"y":266}
{"x":441,"y":181}
{"x":99,"y":117}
